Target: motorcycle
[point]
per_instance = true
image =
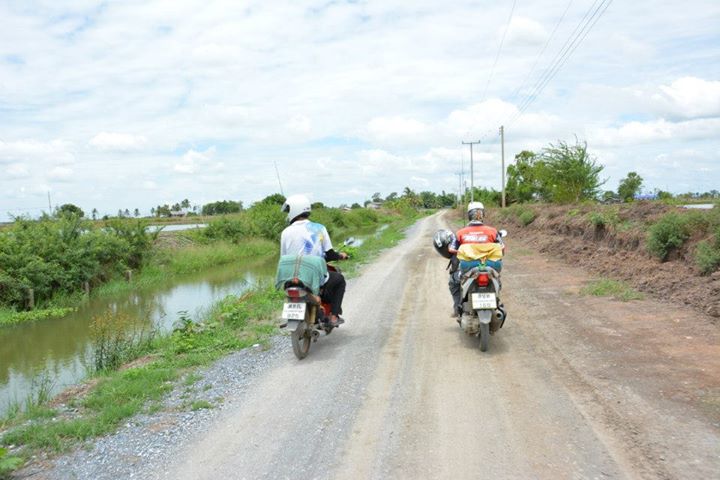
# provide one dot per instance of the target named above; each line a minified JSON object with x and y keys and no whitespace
{"x":483,"y":313}
{"x":306,"y":315}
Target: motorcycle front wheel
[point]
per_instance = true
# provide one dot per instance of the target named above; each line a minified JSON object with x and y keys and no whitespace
{"x":301,"y":338}
{"x":484,"y":336}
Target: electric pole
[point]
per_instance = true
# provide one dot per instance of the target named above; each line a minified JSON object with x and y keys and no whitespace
{"x":472,"y":172}
{"x":502,"y":156}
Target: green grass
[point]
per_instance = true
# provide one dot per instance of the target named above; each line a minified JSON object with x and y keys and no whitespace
{"x":200,"y":405}
{"x":8,"y":463}
{"x":168,"y":263}
{"x":231,"y":324}
{"x":200,"y":257}
{"x":612,"y":288}
{"x":9,"y":316}
{"x":192,"y":379}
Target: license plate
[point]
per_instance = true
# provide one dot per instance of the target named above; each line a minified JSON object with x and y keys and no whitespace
{"x":294,"y":311}
{"x":484,"y":301}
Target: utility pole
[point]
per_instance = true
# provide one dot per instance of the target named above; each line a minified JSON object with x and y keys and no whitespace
{"x":459,"y":192}
{"x":472,"y":172}
{"x":462,"y":181}
{"x":502,"y":156}
{"x":49,"y":204}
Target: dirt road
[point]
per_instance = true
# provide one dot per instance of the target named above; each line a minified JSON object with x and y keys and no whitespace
{"x":572,"y":387}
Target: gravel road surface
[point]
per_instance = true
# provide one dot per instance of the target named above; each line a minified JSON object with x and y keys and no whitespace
{"x":572,"y":387}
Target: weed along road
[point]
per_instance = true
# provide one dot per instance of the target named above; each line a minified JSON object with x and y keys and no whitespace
{"x":572,"y":387}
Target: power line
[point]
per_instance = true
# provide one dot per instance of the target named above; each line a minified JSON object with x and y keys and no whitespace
{"x":542,"y":51}
{"x":571,"y":44}
{"x":497,"y":55}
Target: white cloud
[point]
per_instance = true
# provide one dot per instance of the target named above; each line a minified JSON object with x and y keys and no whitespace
{"x":60,"y":174}
{"x":23,"y":150}
{"x":381,"y":91}
{"x":117,"y":141}
{"x":396,"y":129}
{"x":17,"y":170}
{"x":299,"y":124}
{"x":633,"y":133}
{"x":194,"y":162}
{"x":525,"y":31}
{"x":690,"y":97}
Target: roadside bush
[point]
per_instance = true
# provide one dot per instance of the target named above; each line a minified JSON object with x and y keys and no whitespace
{"x":8,"y":463}
{"x":597,"y":219}
{"x":526,"y":217}
{"x":57,"y":255}
{"x":669,"y":233}
{"x":223,"y":229}
{"x":604,"y":218}
{"x":707,"y":254}
{"x":117,"y":339}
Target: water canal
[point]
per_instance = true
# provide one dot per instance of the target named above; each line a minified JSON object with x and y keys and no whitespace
{"x":57,"y":352}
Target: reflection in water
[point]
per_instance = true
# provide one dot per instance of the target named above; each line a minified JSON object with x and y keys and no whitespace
{"x":60,"y":349}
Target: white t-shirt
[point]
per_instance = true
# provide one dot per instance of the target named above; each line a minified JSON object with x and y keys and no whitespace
{"x":304,"y":237}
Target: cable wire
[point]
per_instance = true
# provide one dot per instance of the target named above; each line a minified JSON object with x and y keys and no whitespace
{"x":542,"y":51}
{"x":571,"y":44}
{"x":497,"y":55}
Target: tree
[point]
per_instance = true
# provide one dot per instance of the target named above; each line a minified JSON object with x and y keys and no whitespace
{"x":429,"y":200}
{"x":525,"y":178}
{"x":94,"y":213}
{"x":274,"y":199}
{"x":136,"y":213}
{"x":162,"y":210}
{"x":570,"y":173}
{"x":630,"y":186}
{"x":70,"y":209}
{"x":221,"y":207}
{"x":376,"y":197}
{"x":609,"y":196}
{"x":185,"y":203}
{"x":355,"y":205}
{"x":317,"y":205}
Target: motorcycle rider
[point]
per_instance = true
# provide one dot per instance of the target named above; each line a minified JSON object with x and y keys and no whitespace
{"x":478,"y":238}
{"x":303,"y":237}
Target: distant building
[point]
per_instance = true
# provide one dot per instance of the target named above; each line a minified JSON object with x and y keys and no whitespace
{"x":182,"y":213}
{"x":646,"y":196}
{"x":374,"y":205}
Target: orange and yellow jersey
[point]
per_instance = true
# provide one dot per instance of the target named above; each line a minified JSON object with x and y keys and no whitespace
{"x":478,"y":242}
{"x":476,"y":234}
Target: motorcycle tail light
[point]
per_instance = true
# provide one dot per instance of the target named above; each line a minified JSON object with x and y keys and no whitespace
{"x":294,"y":292}
{"x":483,"y":280}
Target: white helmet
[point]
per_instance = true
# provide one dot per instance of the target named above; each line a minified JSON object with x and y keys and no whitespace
{"x":296,"y":205}
{"x":476,"y":211}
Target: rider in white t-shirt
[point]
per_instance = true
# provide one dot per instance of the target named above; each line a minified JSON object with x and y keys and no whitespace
{"x":303,"y":237}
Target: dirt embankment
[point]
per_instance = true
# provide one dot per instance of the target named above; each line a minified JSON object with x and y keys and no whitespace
{"x":611,"y":241}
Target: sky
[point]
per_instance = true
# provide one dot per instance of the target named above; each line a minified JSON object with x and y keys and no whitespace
{"x":132,"y":104}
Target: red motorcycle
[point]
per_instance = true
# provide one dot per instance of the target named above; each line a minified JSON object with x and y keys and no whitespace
{"x":306,"y":315}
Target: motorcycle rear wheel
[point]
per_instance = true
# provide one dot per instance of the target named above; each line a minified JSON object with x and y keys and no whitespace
{"x":301,"y":340}
{"x":484,"y":336}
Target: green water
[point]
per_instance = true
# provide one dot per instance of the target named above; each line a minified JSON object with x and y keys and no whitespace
{"x":57,"y":352}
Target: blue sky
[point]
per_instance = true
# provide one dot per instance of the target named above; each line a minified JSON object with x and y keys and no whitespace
{"x":115,"y":105}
